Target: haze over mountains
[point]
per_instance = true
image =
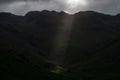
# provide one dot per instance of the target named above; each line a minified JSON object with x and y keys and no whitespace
{"x":86,"y":45}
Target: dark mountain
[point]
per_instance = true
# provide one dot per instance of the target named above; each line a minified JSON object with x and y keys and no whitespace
{"x":85,"y":46}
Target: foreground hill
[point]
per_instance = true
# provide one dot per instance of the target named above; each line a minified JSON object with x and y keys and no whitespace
{"x":85,"y":45}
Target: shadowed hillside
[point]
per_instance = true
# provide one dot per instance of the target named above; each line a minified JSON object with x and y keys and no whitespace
{"x":82,"y":46}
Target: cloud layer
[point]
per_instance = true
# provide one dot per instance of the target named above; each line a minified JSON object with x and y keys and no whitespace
{"x":23,"y":6}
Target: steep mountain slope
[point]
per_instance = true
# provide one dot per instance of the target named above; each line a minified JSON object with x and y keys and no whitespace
{"x":85,"y":44}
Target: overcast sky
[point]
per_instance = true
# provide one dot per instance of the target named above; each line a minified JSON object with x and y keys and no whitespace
{"x":21,"y":7}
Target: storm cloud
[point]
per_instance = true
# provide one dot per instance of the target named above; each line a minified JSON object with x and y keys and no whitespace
{"x":23,"y":6}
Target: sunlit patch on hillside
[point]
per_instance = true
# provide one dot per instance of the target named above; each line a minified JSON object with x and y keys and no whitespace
{"x":58,"y":70}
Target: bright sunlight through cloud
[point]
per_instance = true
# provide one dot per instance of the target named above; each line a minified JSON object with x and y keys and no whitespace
{"x":77,"y":2}
{"x":74,"y":4}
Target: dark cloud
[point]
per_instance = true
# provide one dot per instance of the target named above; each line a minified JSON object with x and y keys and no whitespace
{"x":23,"y":6}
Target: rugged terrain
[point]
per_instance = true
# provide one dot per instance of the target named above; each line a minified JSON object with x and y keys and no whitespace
{"x":85,"y":46}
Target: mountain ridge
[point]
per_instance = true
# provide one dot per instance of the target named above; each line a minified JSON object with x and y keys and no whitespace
{"x":81,"y":12}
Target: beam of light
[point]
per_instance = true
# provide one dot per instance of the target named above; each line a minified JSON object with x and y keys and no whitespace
{"x":61,"y":40}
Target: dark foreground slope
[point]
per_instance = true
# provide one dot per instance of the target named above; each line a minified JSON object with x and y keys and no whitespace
{"x":83,"y":46}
